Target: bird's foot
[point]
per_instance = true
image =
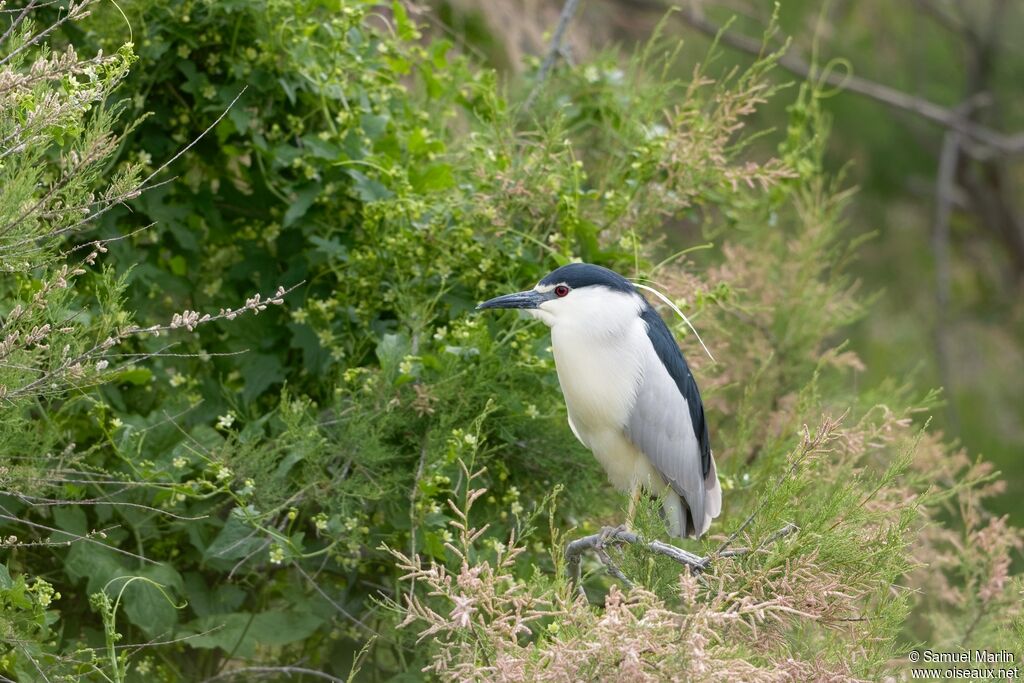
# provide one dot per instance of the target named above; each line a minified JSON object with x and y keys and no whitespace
{"x":608,"y":534}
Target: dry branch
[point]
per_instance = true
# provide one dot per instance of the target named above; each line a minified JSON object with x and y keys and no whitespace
{"x":981,"y":142}
{"x":554,"y":49}
{"x":696,"y":563}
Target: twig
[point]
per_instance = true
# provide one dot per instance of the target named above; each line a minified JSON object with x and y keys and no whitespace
{"x":697,"y":564}
{"x":952,"y":24}
{"x":73,"y":12}
{"x":808,"y":445}
{"x":414,"y":493}
{"x":613,"y":569}
{"x":144,"y":186}
{"x":274,"y":671}
{"x":189,"y":320}
{"x":136,"y":647}
{"x":554,"y":49}
{"x":17,"y":21}
{"x":340,"y":609}
{"x":737,"y":552}
{"x":944,"y":185}
{"x":987,"y":142}
{"x":77,"y":537}
{"x":38,"y":501}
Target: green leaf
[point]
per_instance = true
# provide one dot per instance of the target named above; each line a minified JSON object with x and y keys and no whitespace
{"x":70,"y":518}
{"x":289,"y":89}
{"x":367,"y":189}
{"x":236,"y":540}
{"x":433,"y":178}
{"x":178,"y":265}
{"x":374,"y":125}
{"x":241,"y":117}
{"x":433,"y":545}
{"x":147,"y":606}
{"x":288,"y":462}
{"x":391,"y":349}
{"x":207,"y":601}
{"x":321,"y":149}
{"x":137,"y":376}
{"x":96,"y":563}
{"x":241,"y":632}
{"x":314,"y":356}
{"x":282,"y":628}
{"x":304,"y":199}
{"x":225,"y":631}
{"x":260,"y":370}
{"x":334,"y":249}
{"x":405,"y":28}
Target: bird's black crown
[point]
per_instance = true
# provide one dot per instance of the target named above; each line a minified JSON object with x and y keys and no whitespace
{"x":578,"y":275}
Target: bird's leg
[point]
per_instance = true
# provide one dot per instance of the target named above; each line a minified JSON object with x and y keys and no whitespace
{"x":634,"y":498}
{"x":608,"y":533}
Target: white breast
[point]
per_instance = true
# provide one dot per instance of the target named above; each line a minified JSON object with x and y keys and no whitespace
{"x":600,"y":375}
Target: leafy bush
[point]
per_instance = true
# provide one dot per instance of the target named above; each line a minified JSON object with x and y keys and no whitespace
{"x":55,"y":138}
{"x":241,"y":493}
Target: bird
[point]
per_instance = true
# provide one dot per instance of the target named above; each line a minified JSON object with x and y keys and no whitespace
{"x":630,"y":396}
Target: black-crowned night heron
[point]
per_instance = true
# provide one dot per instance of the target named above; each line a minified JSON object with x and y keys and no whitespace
{"x":630,"y":395}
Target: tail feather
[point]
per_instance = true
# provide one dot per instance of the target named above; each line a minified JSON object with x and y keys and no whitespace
{"x":712,"y":496}
{"x":678,"y":516}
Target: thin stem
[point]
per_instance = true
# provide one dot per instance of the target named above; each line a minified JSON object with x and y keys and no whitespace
{"x":554,"y":49}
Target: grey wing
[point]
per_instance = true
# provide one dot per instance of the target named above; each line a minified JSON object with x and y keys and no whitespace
{"x":661,"y":427}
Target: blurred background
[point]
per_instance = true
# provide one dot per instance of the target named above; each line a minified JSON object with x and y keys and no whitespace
{"x":929,"y":106}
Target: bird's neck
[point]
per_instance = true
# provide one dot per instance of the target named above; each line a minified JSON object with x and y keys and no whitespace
{"x":599,"y":371}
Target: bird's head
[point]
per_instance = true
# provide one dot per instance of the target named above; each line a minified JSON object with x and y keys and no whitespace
{"x":579,"y":295}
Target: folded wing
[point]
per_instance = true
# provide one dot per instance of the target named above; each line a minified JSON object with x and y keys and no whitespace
{"x":667,"y":425}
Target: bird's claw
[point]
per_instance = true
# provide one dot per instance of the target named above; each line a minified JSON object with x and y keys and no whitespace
{"x":608,"y":534}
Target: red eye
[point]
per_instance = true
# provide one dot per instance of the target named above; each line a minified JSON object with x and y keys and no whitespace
{"x":561,"y":290}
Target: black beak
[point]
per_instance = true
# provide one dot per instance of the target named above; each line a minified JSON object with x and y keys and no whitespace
{"x":527,"y":299}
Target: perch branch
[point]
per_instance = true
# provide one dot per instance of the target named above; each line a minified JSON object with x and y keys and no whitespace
{"x":598,"y":542}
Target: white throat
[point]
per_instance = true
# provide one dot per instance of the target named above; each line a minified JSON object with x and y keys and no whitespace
{"x":596,"y":312}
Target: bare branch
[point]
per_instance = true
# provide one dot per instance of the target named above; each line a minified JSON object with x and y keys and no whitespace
{"x":78,"y":537}
{"x":696,"y":563}
{"x":73,"y":11}
{"x":188,"y":320}
{"x":338,"y":607}
{"x":17,"y":21}
{"x":984,"y":142}
{"x":273,"y":671}
{"x":39,"y":501}
{"x":554,"y":49}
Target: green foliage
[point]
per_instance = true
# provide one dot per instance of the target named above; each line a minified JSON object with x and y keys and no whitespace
{"x":24,"y":618}
{"x":242,"y":490}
